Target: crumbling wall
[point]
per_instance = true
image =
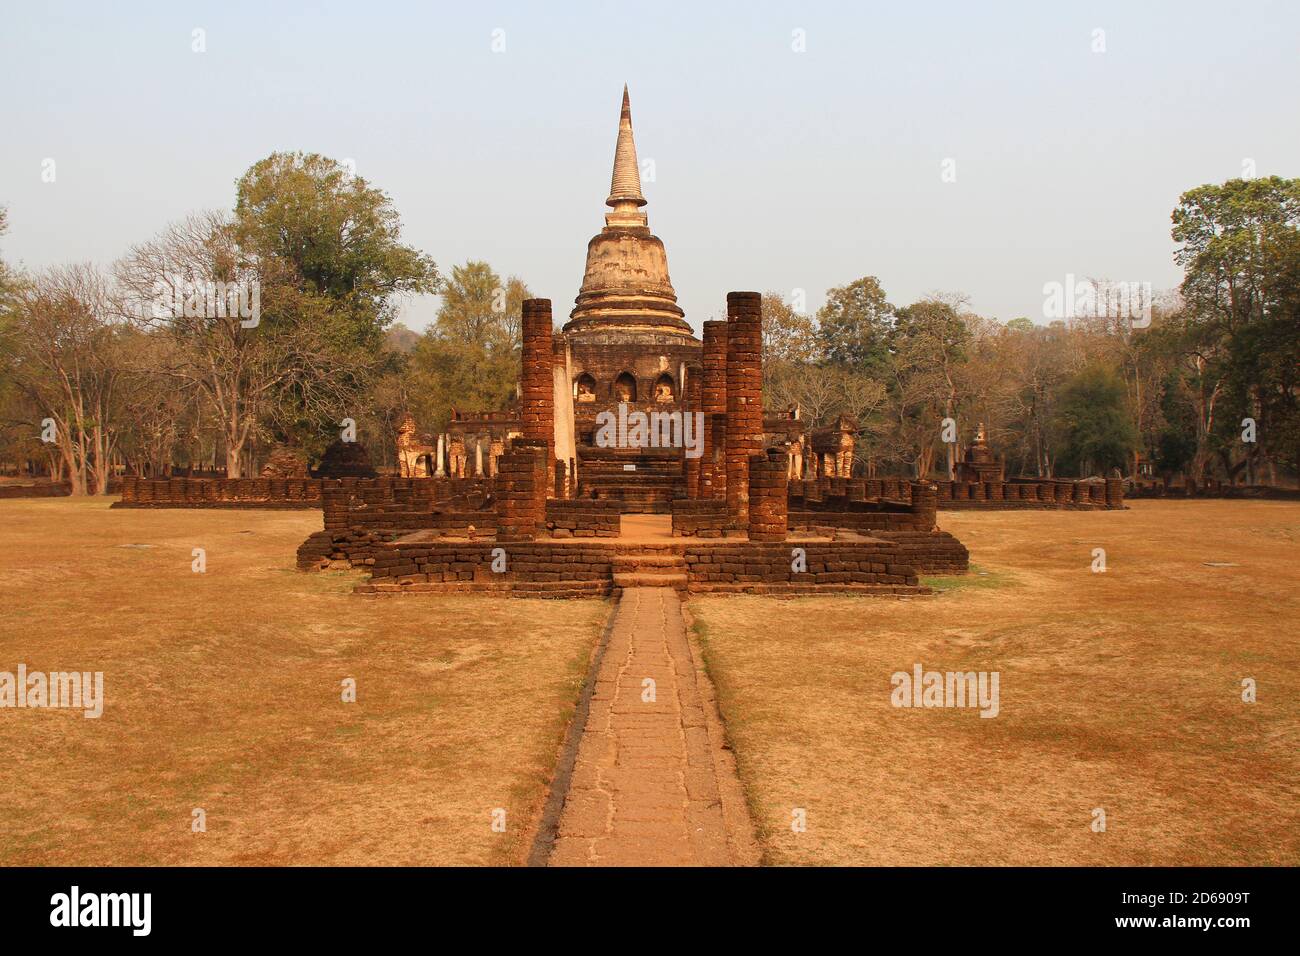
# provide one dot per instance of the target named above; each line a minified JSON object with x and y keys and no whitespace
{"x":583,"y":518}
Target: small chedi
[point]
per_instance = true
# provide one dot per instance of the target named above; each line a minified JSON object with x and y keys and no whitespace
{"x":285,"y":462}
{"x":345,"y":459}
{"x":979,"y":464}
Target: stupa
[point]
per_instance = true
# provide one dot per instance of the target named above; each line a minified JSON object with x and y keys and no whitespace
{"x":627,"y":339}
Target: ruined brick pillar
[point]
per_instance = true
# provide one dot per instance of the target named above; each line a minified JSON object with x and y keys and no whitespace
{"x":713,"y":397}
{"x":768,"y":483}
{"x":744,"y":398}
{"x":521,"y":505}
{"x":537,"y":383}
{"x":925,"y":505}
{"x":716,"y":457}
{"x":1114,"y":492}
{"x":335,"y":503}
{"x":695,"y":421}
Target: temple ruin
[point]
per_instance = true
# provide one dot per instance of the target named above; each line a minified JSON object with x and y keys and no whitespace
{"x":627,"y":343}
{"x":636,"y":454}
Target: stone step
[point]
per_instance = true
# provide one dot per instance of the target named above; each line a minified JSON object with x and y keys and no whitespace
{"x":646,"y":579}
{"x":597,"y":453}
{"x":635,"y":561}
{"x":631,"y":479}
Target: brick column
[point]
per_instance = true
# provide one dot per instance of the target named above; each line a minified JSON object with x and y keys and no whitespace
{"x":1114,"y":492}
{"x":768,"y":496}
{"x":925,"y":505}
{"x":713,"y":480}
{"x":335,"y":506}
{"x":744,"y":398}
{"x":521,"y":508}
{"x":692,"y":413}
{"x":537,"y":401}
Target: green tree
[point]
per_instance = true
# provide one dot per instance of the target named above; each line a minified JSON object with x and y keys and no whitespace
{"x":469,"y":358}
{"x":1096,"y":426}
{"x":480,"y":309}
{"x":341,"y":236}
{"x":927,"y":345}
{"x":854,"y":325}
{"x":1237,"y":244}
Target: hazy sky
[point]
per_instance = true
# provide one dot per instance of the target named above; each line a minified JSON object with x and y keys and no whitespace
{"x":774,"y":169}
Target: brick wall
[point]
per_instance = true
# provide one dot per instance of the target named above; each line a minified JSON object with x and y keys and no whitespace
{"x":521,"y":506}
{"x":838,"y":494}
{"x":583,"y":518}
{"x":702,"y":518}
{"x":403,"y":505}
{"x":290,"y":492}
{"x":930,"y":552}
{"x":532,"y":569}
{"x":46,"y":489}
{"x":768,"y":516}
{"x":876,"y":567}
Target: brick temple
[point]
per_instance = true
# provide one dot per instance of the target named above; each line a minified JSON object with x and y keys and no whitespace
{"x":548,"y":499}
{"x":627,"y":343}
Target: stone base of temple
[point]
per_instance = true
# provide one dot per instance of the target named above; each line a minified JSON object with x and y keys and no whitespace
{"x":414,"y":563}
{"x":588,"y":547}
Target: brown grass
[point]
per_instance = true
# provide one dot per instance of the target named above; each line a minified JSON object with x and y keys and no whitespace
{"x":223,"y":693}
{"x":1119,"y":691}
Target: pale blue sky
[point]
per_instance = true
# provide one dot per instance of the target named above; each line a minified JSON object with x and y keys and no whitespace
{"x":774,"y":169}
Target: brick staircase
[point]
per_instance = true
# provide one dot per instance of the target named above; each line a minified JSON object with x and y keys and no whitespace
{"x":650,"y":566}
{"x":642,"y":480}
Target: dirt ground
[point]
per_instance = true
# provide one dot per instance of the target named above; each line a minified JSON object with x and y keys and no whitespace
{"x":1120,"y":694}
{"x":224,"y":693}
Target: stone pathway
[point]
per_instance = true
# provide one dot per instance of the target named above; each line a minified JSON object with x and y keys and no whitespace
{"x":645,"y":785}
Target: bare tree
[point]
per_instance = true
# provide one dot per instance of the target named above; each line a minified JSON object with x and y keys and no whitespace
{"x":60,"y":354}
{"x":246,"y":340}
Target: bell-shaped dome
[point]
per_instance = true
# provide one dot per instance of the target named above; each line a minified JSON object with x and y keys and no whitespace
{"x":626,"y":286}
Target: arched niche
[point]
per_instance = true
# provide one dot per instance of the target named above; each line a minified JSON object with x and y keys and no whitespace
{"x":665,"y":391}
{"x":625,"y":387}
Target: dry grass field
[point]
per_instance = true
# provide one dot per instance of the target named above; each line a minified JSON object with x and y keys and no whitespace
{"x":224,"y":692}
{"x":1120,"y":691}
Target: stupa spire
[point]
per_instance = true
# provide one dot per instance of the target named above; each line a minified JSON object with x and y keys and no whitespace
{"x":625,"y":287}
{"x":625,"y":197}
